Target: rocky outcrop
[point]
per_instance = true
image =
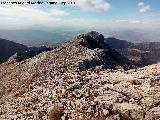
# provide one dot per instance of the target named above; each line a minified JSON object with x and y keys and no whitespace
{"x":60,"y":84}
{"x":93,"y":40}
{"x":105,"y":55}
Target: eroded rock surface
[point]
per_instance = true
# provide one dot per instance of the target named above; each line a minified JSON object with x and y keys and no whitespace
{"x":73,"y":82}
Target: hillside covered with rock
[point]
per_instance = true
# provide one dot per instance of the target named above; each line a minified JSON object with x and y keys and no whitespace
{"x":83,"y":79}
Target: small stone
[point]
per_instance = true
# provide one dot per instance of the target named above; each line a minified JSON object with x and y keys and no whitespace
{"x":105,"y":112}
{"x":83,"y":73}
{"x":131,"y":100}
{"x":117,"y":117}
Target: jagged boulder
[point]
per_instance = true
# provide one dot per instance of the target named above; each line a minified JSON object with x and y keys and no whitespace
{"x":92,"y":40}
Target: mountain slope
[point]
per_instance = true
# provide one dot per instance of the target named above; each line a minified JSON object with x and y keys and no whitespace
{"x":72,"y":82}
{"x":18,"y":52}
{"x":145,"y":53}
{"x":8,"y":48}
{"x":118,"y":44}
{"x":84,"y":52}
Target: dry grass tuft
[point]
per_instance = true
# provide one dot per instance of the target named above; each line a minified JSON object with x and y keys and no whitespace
{"x":56,"y":113}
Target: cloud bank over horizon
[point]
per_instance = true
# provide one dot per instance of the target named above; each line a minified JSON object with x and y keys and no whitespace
{"x":85,"y":13}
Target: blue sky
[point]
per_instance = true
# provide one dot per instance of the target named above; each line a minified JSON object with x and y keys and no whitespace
{"x":85,"y":13}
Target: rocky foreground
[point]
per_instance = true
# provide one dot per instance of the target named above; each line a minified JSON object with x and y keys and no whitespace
{"x":80,"y":80}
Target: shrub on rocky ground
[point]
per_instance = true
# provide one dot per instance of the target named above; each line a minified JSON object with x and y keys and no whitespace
{"x":56,"y":113}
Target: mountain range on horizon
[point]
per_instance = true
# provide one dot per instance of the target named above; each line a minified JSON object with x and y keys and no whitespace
{"x":50,"y":38}
{"x":37,"y":38}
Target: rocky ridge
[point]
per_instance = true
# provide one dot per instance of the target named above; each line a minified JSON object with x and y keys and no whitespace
{"x":74,"y":77}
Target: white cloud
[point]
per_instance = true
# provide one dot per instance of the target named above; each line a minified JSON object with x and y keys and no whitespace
{"x":58,"y":12}
{"x":141,"y":4}
{"x":13,"y":15}
{"x":143,"y":7}
{"x":21,"y":12}
{"x":93,"y":4}
{"x":129,"y":21}
{"x":24,"y":12}
{"x":135,"y":23}
{"x":90,"y":4}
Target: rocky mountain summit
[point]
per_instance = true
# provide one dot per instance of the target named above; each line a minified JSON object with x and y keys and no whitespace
{"x":83,"y":79}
